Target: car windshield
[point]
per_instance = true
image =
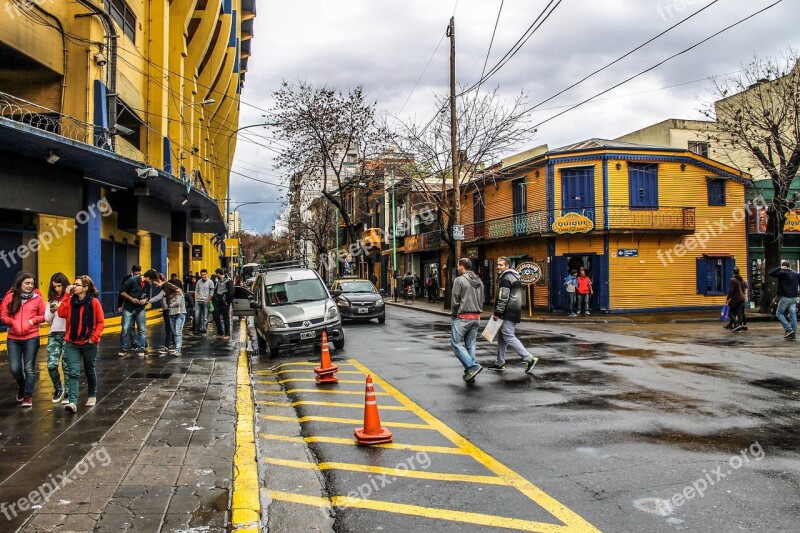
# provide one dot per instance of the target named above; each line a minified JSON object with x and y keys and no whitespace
{"x":357,"y":286}
{"x":293,"y":292}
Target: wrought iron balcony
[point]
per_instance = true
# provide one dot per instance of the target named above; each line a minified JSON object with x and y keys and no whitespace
{"x":665,"y":219}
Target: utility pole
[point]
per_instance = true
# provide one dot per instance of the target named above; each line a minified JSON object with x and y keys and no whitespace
{"x":453,"y":138}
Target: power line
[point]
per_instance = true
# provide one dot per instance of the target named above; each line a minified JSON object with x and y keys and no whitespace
{"x":656,"y":65}
{"x":491,"y":41}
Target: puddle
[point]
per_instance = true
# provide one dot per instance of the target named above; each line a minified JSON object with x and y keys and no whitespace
{"x":782,"y":385}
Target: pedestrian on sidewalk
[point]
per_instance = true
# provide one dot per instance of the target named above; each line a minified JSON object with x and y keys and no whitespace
{"x":189,"y":297}
{"x":175,"y":301}
{"x":736,"y":299}
{"x":160,"y":301}
{"x":136,"y":293}
{"x":508,"y":308}
{"x":136,"y":270}
{"x":396,"y":284}
{"x":570,"y":284}
{"x":203,"y":291}
{"x":417,"y":294}
{"x":584,"y":290}
{"x":84,"y":317}
{"x":433,"y":288}
{"x":55,"y":339}
{"x":22,"y":310}
{"x":788,"y":281}
{"x":467,"y":304}
{"x":223,"y":296}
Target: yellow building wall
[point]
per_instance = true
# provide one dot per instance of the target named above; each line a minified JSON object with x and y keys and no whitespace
{"x":58,"y":255}
{"x":536,"y":249}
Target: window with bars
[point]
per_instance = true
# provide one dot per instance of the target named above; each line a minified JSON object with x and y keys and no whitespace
{"x":123,"y":16}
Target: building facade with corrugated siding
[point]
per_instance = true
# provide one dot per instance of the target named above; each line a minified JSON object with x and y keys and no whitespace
{"x":657,"y":229}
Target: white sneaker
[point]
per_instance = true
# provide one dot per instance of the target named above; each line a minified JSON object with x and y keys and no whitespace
{"x":71,"y":408}
{"x":91,"y":401}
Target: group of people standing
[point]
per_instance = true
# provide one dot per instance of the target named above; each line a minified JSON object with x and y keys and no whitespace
{"x":76,"y":323}
{"x":420,"y":288}
{"x":579,"y":291}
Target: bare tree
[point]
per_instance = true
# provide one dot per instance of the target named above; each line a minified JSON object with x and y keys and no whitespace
{"x":487,"y":128}
{"x":323,"y":129}
{"x":263,"y":247}
{"x":757,"y":115}
{"x":319,"y":229}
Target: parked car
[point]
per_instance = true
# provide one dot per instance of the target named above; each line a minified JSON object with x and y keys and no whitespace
{"x":358,"y":299}
{"x":290,"y":308}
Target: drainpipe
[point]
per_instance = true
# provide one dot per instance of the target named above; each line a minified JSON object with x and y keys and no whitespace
{"x":111,"y":73}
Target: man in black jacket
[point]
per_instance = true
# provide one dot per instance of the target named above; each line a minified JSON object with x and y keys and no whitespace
{"x":788,"y":281}
{"x":223,"y":296}
{"x":508,"y":308}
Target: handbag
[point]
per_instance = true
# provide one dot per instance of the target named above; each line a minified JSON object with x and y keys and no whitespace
{"x":490,"y":331}
{"x":725,"y":313}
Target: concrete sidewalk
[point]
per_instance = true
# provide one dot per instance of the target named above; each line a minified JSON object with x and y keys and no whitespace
{"x":595,"y":318}
{"x":154,"y":454}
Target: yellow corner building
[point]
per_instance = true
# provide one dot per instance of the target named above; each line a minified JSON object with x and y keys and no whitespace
{"x":117,"y":129}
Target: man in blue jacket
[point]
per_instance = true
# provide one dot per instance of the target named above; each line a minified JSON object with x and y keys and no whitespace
{"x":788,"y":280}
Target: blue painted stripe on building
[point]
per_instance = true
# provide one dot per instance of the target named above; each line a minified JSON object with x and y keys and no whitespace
{"x":665,"y":309}
{"x":88,"y":250}
{"x":100,"y":113}
{"x":167,"y":155}
{"x":232,"y":39}
{"x":227,"y":6}
{"x":605,"y":195}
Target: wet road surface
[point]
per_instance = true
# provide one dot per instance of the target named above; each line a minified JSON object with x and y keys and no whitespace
{"x":629,"y":428}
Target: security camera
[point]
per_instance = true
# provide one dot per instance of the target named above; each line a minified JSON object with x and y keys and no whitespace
{"x":119,"y":128}
{"x":100,"y":59}
{"x":148,"y":172}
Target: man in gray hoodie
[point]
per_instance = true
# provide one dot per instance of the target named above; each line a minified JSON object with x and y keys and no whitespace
{"x":466,"y":311}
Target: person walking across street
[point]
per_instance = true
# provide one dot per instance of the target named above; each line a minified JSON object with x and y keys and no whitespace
{"x":22,"y":310}
{"x":223,"y":296}
{"x":788,"y":280}
{"x":736,"y":298}
{"x":508,"y":308}
{"x":584,"y":290}
{"x":570,"y":284}
{"x":83,"y":315}
{"x":55,"y":338}
{"x":203,"y":291}
{"x":467,"y":304}
{"x":136,"y":293}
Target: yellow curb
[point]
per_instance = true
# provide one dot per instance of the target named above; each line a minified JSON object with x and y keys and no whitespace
{"x":245,"y":501}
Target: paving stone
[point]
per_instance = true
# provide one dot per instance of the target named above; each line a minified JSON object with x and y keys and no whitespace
{"x":153,"y":475}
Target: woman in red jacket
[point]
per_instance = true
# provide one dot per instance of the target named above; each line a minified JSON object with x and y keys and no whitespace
{"x":84,"y":317}
{"x":22,"y":310}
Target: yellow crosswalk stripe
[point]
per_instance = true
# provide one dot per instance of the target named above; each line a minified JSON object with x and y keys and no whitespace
{"x":394,"y":472}
{"x":356,"y":421}
{"x":335,"y":391}
{"x":390,"y":446}
{"x":332,"y":404}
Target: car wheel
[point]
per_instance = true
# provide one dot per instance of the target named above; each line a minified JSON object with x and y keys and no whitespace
{"x":338,"y":344}
{"x":382,"y":318}
{"x":262,"y":344}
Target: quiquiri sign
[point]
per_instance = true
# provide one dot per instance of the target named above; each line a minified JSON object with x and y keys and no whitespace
{"x":573,"y":223}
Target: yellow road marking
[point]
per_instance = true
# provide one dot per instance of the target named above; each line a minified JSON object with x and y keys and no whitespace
{"x":279,"y":372}
{"x":245,"y":501}
{"x":398,"y":472}
{"x":357,"y":421}
{"x":575,"y":523}
{"x":332,"y":404}
{"x":298,"y":363}
{"x":312,"y":380}
{"x":424,"y":512}
{"x":390,"y":446}
{"x":335,"y":391}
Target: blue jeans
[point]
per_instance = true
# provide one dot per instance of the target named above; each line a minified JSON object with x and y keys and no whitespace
{"x":201,"y":316}
{"x":583,"y":302}
{"x":787,"y":304}
{"x":75,"y":353}
{"x":463,"y":334}
{"x":169,"y":337}
{"x":22,"y":362}
{"x":572,"y":299}
{"x":176,"y":323}
{"x":128,"y":316}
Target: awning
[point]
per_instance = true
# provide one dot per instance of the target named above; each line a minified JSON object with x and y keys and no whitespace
{"x":717,"y":256}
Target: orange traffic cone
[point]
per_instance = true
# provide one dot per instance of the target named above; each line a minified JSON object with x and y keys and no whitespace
{"x":326,"y":370}
{"x":372,"y":432}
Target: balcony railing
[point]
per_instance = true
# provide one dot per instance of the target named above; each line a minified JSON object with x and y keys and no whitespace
{"x":620,"y":218}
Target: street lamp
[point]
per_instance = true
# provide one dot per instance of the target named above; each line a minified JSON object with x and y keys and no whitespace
{"x":242,"y":204}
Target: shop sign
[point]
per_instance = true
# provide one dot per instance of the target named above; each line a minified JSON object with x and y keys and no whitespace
{"x":472,"y":252}
{"x":628,"y":252}
{"x":458,"y":232}
{"x":758,"y":221}
{"x":573,"y":223}
{"x":197,"y":251}
{"x":231,"y":247}
{"x":529,"y":273}
{"x":792,"y":222}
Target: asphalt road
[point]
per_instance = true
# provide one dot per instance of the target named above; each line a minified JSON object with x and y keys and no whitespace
{"x":621,"y":428}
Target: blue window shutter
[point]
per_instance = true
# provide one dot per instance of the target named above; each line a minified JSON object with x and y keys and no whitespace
{"x":643,"y":184}
{"x":716,"y":192}
{"x":702,"y":277}
{"x":727,"y":268}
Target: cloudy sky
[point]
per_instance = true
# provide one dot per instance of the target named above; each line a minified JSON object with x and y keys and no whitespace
{"x":385,"y":45}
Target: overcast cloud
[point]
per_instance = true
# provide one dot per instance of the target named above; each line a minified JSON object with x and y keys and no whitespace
{"x":384,"y":46}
